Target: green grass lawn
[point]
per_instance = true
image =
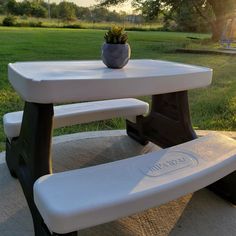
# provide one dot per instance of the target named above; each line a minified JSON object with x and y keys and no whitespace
{"x":211,"y":108}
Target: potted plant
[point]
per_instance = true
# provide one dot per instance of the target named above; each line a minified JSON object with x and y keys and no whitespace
{"x":115,"y":50}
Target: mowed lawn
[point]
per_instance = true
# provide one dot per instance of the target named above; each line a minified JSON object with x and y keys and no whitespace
{"x":211,"y":108}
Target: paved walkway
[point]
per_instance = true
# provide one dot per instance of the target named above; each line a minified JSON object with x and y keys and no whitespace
{"x":220,"y":51}
{"x":198,"y":214}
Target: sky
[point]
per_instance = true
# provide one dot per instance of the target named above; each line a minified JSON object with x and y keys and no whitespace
{"x":86,"y":3}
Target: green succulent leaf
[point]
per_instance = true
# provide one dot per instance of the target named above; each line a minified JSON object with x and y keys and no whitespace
{"x":116,"y":35}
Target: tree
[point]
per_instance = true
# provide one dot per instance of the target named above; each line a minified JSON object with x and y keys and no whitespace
{"x":221,"y":10}
{"x":113,"y":16}
{"x":67,"y":10}
{"x":53,"y":10}
{"x":24,"y":8}
{"x":187,"y":18}
{"x":37,"y":10}
{"x":99,"y":14}
{"x":150,"y":9}
{"x":27,"y":8}
{"x":2,"y":6}
{"x":83,"y":13}
{"x":12,"y":7}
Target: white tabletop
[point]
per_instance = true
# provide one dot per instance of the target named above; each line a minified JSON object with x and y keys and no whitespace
{"x":70,"y":81}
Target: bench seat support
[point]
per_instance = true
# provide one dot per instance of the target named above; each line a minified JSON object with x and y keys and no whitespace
{"x":28,"y":157}
{"x":168,"y":122}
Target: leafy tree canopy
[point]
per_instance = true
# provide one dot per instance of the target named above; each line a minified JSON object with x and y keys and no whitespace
{"x":213,"y":12}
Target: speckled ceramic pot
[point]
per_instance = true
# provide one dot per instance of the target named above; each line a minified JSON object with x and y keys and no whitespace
{"x":115,"y":56}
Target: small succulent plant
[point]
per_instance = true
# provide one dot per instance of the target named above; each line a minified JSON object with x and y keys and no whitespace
{"x":116,"y":35}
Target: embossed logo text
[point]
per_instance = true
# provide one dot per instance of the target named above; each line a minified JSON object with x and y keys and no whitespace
{"x":170,"y":162}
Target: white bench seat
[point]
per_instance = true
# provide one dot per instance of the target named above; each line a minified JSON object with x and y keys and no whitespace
{"x":79,"y":113}
{"x":73,"y":200}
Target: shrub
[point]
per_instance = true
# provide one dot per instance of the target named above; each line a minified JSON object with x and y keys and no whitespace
{"x":9,"y":21}
{"x":35,"y":24}
{"x":73,"y":26}
{"x":29,"y":24}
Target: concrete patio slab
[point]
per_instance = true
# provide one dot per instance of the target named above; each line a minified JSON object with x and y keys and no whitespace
{"x":220,"y":51}
{"x":201,"y":213}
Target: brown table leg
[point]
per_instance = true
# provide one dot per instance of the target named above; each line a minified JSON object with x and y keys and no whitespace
{"x":29,"y":156}
{"x":225,"y":188}
{"x":168,"y":122}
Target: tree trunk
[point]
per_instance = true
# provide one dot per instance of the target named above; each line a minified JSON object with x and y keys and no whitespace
{"x":221,"y":11}
{"x":217,"y":28}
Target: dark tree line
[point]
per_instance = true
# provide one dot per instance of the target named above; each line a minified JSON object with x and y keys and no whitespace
{"x":64,"y":10}
{"x":27,"y":8}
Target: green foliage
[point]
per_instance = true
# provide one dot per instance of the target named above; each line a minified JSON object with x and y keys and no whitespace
{"x":116,"y":35}
{"x":220,"y":9}
{"x":38,"y":10}
{"x":24,"y":21}
{"x":35,"y":24}
{"x":67,"y":11}
{"x":9,"y":21}
{"x":2,"y":6}
{"x":73,"y":26}
{"x":12,"y":7}
{"x":27,"y":8}
{"x":187,"y":19}
{"x":53,"y":10}
{"x":84,"y":13}
{"x":150,"y":9}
